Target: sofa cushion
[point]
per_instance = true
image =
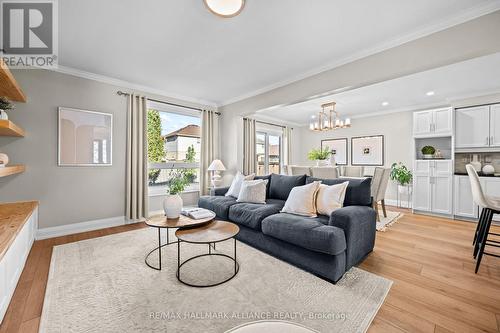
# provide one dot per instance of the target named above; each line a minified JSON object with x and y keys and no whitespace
{"x":281,"y":185}
{"x":251,"y":215}
{"x":358,"y":191}
{"x":218,"y":204}
{"x":268,"y":178}
{"x":309,"y":233}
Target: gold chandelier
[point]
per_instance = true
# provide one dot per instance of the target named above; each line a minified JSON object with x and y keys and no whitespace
{"x":328,"y":120}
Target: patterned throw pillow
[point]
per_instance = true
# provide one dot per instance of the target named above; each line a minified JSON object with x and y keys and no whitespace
{"x":253,"y":191}
{"x":234,"y":189}
{"x":302,"y":200}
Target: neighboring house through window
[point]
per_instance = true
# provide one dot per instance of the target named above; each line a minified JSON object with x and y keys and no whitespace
{"x":173,"y":146}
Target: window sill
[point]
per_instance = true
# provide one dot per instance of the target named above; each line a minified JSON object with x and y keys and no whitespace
{"x":164,"y":194}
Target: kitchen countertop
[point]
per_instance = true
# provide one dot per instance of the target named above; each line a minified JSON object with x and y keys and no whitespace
{"x":480,"y":174}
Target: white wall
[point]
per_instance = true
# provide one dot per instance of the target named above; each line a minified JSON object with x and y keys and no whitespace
{"x":398,"y":140}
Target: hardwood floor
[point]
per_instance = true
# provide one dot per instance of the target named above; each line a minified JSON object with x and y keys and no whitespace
{"x":428,"y":258}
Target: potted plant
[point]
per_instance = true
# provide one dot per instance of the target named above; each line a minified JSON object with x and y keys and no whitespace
{"x":402,"y":175}
{"x":428,"y":151}
{"x":5,"y":105}
{"x":172,"y":204}
{"x":321,"y":156}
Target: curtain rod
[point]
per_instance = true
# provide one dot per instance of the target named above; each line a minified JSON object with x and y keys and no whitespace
{"x":121,"y":93}
{"x":271,"y":124}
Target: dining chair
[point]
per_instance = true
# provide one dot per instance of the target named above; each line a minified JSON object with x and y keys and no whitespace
{"x":490,"y":206}
{"x":325,"y":172}
{"x":295,"y":170}
{"x":352,"y":171}
{"x":379,"y":184}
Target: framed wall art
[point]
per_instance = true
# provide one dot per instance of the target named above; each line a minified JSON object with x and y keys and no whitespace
{"x":367,"y":150}
{"x":85,"y":138}
{"x":338,"y":148}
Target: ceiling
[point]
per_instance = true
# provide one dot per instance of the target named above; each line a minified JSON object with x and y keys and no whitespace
{"x":179,"y":48}
{"x":476,"y":77}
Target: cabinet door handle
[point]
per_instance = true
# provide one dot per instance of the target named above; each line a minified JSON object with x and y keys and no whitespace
{"x":487,"y":141}
{"x":492,"y":140}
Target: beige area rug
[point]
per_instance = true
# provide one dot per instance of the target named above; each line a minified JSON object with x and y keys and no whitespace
{"x":103,"y":285}
{"x":386,"y":222}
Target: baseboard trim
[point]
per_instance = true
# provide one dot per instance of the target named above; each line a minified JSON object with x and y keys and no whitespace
{"x":76,"y":228}
{"x":404,"y":204}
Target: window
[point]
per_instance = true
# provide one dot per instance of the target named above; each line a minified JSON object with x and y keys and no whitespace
{"x":173,"y":147}
{"x":268,"y":150}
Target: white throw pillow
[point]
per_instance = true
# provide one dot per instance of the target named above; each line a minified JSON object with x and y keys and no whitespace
{"x":253,"y":191}
{"x":302,"y":200}
{"x":234,"y":189}
{"x":330,"y":198}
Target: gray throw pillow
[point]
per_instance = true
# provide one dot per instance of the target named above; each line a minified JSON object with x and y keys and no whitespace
{"x":253,"y":191}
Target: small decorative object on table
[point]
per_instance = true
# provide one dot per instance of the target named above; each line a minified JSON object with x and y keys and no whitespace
{"x":438,"y":154}
{"x":173,"y":202}
{"x":321,"y":156}
{"x":5,"y":105}
{"x":428,"y":152}
{"x":476,"y":163}
{"x":215,"y":167}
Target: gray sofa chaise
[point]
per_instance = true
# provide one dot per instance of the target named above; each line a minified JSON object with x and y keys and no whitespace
{"x":326,"y":246}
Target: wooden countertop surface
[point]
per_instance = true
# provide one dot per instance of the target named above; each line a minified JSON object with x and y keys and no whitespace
{"x":13,"y":216}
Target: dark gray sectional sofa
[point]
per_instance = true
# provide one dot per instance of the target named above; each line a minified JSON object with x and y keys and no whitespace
{"x":326,"y":246}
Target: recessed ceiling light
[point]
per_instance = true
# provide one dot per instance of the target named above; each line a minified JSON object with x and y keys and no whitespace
{"x":225,"y":8}
{"x":385,"y":103}
{"x":430,"y":93}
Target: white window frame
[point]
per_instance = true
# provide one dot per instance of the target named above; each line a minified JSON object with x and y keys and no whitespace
{"x":266,"y":149}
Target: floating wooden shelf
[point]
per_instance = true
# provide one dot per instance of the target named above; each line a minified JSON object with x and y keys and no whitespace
{"x":8,"y":128}
{"x":9,"y":86}
{"x":11,"y":170}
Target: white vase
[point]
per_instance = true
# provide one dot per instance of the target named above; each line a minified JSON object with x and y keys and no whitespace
{"x":172,"y":205}
{"x":322,"y":163}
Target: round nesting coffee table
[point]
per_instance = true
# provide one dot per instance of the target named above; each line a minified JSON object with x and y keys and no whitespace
{"x":161,"y":222}
{"x":215,"y":232}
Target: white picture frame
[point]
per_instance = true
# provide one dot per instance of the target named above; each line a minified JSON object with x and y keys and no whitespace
{"x":338,"y":148}
{"x":367,"y":150}
{"x":85,"y":138}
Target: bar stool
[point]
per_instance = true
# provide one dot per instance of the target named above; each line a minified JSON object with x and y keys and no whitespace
{"x":489,"y":206}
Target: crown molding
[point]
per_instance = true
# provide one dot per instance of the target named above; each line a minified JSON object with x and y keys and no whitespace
{"x":460,"y":18}
{"x":130,"y":85}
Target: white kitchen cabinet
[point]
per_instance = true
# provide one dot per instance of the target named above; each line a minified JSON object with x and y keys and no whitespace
{"x":472,"y":127}
{"x":436,"y":122}
{"x":464,"y":203}
{"x":495,"y":125}
{"x":432,"y":186}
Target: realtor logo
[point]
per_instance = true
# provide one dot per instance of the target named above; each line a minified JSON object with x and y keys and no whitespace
{"x":29,"y":33}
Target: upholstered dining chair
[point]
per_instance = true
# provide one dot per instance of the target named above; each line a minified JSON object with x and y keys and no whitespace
{"x":295,"y":170}
{"x":490,"y":206}
{"x":330,"y":172}
{"x":380,"y":181}
{"x":352,"y":171}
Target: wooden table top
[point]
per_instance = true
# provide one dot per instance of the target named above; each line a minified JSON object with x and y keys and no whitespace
{"x":214,"y":232}
{"x":161,"y":221}
{"x":13,"y":216}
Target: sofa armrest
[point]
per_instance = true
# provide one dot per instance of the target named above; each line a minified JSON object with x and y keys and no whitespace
{"x":359,"y":225}
{"x":220,"y":191}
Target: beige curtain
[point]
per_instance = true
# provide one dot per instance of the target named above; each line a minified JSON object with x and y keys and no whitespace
{"x":249,"y":153}
{"x":137,"y":159}
{"x":287,"y":138}
{"x":209,"y":151}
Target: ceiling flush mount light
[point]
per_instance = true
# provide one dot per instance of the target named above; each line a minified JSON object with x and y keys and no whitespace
{"x":430,"y":93}
{"x":225,"y":8}
{"x":328,"y":120}
{"x":385,"y":103}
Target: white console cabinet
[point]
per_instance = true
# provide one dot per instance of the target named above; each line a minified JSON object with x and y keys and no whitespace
{"x":20,"y":234}
{"x":464,"y":203}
